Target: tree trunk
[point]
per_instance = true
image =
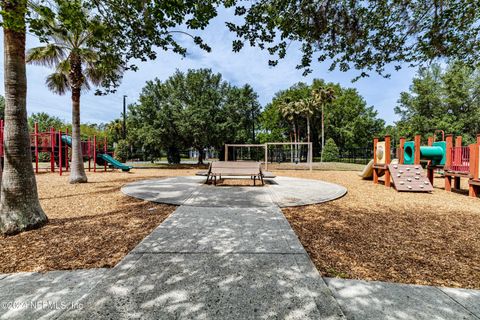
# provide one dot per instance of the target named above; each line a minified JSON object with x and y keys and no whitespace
{"x":323,"y":136}
{"x":200,"y":156}
{"x":77,"y":174}
{"x":308,"y":128}
{"x":20,"y":208}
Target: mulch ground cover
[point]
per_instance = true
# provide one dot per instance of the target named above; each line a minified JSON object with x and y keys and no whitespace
{"x":90,"y":225}
{"x":375,"y":233}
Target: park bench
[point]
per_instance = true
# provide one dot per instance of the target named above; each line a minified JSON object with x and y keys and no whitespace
{"x":235,"y":169}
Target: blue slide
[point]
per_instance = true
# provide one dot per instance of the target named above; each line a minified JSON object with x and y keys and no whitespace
{"x":105,"y":157}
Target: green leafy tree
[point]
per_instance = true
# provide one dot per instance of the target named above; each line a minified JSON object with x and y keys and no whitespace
{"x":330,"y":153}
{"x":122,"y":150}
{"x":78,"y":65}
{"x":196,"y":109}
{"x":349,"y":121}
{"x":443,"y":99}
{"x":45,"y":122}
{"x":134,"y":30}
{"x":365,"y":35}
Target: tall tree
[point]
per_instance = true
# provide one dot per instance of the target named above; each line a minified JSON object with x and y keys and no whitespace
{"x":135,"y":29}
{"x":323,"y":96}
{"x":445,"y":99}
{"x":70,"y":32}
{"x":19,"y":205}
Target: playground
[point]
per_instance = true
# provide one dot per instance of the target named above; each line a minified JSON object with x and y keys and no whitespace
{"x":400,"y":237}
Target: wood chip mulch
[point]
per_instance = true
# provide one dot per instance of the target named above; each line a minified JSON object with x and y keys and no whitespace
{"x":375,"y":233}
{"x":90,"y":225}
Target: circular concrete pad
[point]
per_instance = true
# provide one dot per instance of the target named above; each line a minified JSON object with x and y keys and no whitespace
{"x":281,"y":191}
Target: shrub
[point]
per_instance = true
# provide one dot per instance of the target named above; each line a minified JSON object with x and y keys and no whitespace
{"x":330,"y":152}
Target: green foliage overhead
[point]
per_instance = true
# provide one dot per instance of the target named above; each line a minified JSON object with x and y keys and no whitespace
{"x":364,"y":35}
{"x":444,"y":99}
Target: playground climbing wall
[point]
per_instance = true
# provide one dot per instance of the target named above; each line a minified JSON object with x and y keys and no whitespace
{"x":410,"y":178}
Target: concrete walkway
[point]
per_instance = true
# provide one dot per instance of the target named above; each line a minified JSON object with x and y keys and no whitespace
{"x":225,"y":253}
{"x":215,"y":262}
{"x":192,"y":191}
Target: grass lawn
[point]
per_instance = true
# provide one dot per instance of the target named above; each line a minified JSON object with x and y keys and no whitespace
{"x":372,"y":233}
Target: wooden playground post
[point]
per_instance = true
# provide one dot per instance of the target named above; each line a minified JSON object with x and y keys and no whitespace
{"x":458,"y":155}
{"x":418,"y":141}
{"x":266,"y":157}
{"x":375,"y":174}
{"x":401,"y":159}
{"x":60,"y":160}
{"x":52,"y":149}
{"x":429,"y":168}
{"x":448,"y":161}
{"x":36,"y":145}
{"x":387,"y":160}
{"x":94,"y":153}
{"x":472,"y":188}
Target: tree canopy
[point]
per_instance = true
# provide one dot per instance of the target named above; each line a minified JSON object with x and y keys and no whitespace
{"x":196,"y":109}
{"x":348,"y":119}
{"x":441,"y":98}
{"x":363,"y":35}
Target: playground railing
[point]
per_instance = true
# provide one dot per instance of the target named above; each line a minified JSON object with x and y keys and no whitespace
{"x":460,"y":159}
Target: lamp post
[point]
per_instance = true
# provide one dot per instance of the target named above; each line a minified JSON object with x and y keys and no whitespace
{"x":124,"y":127}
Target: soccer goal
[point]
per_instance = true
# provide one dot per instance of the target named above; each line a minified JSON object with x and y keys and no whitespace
{"x":274,"y":155}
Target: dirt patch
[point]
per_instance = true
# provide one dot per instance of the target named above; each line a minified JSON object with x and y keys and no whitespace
{"x":91,"y":225}
{"x":375,"y":233}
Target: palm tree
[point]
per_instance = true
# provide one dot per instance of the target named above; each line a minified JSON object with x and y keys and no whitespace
{"x":323,"y":96}
{"x":77,"y":66}
{"x":19,"y":208}
{"x":307,"y":107}
{"x":290,"y":111}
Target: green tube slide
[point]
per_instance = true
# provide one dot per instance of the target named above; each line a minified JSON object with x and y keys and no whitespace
{"x":435,"y":153}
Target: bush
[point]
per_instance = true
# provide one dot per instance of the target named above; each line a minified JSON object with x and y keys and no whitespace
{"x":122,"y":150}
{"x":330,"y":152}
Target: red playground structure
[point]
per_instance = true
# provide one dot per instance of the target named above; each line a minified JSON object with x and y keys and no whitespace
{"x":57,"y":144}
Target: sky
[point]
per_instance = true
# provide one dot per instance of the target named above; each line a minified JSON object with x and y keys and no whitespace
{"x":248,"y":66}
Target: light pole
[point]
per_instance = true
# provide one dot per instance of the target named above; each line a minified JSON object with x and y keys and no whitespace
{"x":124,"y":127}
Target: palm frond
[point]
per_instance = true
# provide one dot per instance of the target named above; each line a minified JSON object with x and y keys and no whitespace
{"x":58,"y":83}
{"x":63,"y":67}
{"x":49,"y":55}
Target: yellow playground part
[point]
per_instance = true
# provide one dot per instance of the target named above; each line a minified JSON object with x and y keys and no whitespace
{"x":367,"y":172}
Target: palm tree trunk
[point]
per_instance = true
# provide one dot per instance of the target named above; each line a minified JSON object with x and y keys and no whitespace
{"x":77,"y":175}
{"x":20,"y":208}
